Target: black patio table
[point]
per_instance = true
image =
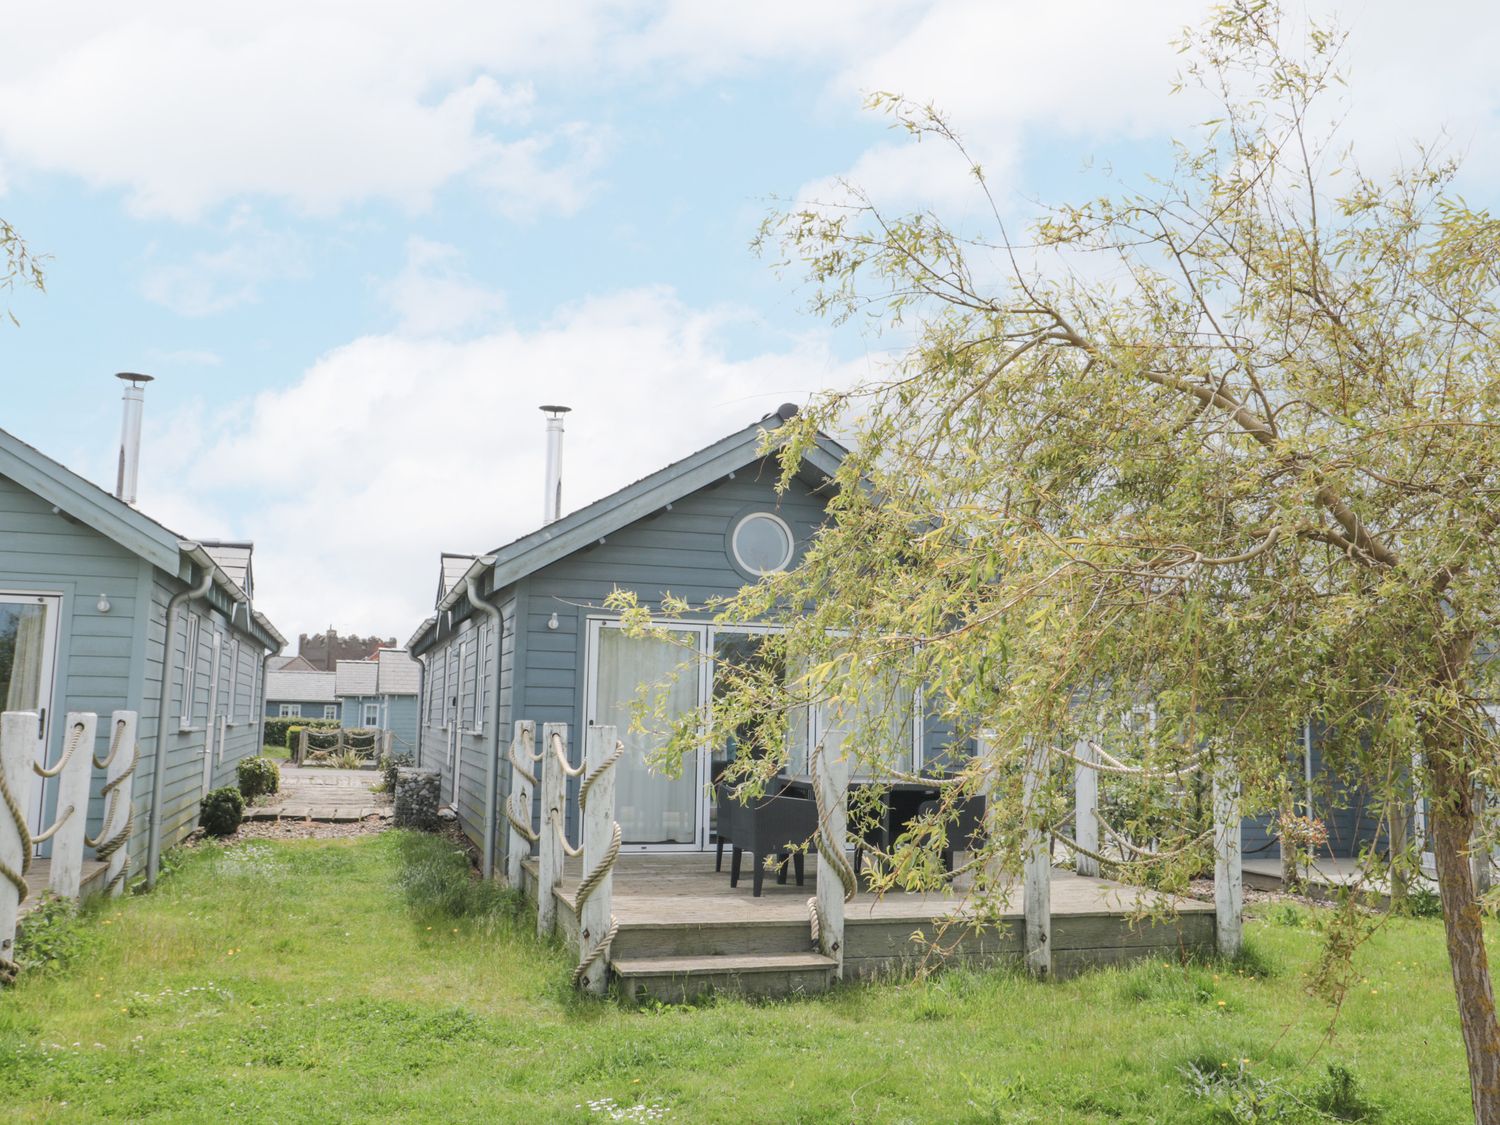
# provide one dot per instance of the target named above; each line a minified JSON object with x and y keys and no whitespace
{"x":903,"y":801}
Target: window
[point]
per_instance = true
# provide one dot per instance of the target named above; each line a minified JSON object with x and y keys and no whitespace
{"x":330,"y":710}
{"x":762,"y":543}
{"x":371,"y":717}
{"x":189,"y":672}
{"x":290,"y":711}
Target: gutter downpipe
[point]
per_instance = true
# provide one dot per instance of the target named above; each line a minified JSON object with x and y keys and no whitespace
{"x":492,"y":764}
{"x":164,"y":701}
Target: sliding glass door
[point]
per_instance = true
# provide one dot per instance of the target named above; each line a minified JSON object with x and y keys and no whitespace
{"x":654,"y":808}
{"x":28,"y":653}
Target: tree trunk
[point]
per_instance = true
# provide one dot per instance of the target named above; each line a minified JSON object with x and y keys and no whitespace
{"x":1452,"y":826}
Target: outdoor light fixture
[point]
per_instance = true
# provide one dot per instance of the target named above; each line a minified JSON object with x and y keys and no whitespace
{"x":103,"y":605}
{"x":552,"y":621}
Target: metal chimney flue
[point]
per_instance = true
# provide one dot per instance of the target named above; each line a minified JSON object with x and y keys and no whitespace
{"x":130,"y":434}
{"x":552,"y":501}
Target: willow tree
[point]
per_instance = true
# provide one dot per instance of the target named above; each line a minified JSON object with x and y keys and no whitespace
{"x":1224,"y":449}
{"x":20,"y":264}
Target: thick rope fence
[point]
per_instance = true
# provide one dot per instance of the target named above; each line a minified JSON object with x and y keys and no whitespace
{"x":71,"y":777}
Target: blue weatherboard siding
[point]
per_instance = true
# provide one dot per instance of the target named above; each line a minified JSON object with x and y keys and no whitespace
{"x":113,"y":661}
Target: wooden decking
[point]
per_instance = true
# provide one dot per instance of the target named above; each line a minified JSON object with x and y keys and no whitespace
{"x":41,"y":874}
{"x":325,"y":794}
{"x":683,"y":929}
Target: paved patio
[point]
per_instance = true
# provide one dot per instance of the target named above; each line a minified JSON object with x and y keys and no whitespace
{"x":312,"y":793}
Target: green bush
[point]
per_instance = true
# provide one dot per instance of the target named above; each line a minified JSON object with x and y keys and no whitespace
{"x":52,"y":936}
{"x":277,"y":730}
{"x":257,"y":777}
{"x":221,"y":811}
{"x":389,"y":764}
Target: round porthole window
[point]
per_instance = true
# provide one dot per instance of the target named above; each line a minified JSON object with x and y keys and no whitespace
{"x":762,"y":543}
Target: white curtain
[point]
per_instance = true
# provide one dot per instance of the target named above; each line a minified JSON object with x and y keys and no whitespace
{"x":881,"y":719}
{"x":651,"y":807}
{"x":27,"y":629}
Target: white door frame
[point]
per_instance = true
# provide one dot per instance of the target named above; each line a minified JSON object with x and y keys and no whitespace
{"x":699,"y":766}
{"x":51,"y":634}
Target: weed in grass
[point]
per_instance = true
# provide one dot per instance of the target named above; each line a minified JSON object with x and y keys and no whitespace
{"x":612,"y":1110}
{"x":1422,"y":902}
{"x":1341,"y":1097}
{"x":437,"y":879}
{"x":1288,"y":915}
{"x":53,"y":936}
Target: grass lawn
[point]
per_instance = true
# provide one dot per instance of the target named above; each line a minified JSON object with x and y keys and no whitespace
{"x":368,"y":979}
{"x":280,"y":753}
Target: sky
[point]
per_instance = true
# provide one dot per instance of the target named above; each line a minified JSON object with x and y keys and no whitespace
{"x":359,"y":244}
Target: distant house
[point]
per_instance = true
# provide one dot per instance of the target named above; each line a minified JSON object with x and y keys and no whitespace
{"x":103,"y":608}
{"x":289,"y":664}
{"x":381,"y":694}
{"x":292,"y":694}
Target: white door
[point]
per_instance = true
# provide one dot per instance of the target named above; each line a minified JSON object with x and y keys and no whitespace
{"x":28,"y":665}
{"x":655,"y":810}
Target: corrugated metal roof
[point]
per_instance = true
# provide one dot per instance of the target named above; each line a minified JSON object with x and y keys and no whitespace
{"x":399,"y":673}
{"x":358,"y":677}
{"x":300,"y":687}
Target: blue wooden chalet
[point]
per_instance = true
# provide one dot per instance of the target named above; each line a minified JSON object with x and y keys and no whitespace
{"x":520,"y":633}
{"x":103,"y":608}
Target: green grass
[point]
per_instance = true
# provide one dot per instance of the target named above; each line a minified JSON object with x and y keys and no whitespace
{"x":369,"y":979}
{"x":280,"y":753}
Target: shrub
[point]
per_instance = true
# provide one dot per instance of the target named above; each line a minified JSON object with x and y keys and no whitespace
{"x":389,"y":764}
{"x":257,"y":777}
{"x":221,"y":811}
{"x":348,"y":759}
{"x":52,"y":936}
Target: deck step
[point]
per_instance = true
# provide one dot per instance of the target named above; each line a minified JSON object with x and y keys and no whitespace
{"x":680,"y":979}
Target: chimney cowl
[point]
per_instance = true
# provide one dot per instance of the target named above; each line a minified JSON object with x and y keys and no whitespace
{"x":552,"y":498}
{"x":134,"y":397}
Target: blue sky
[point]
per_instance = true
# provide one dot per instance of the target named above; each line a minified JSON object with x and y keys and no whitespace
{"x":358,"y":245}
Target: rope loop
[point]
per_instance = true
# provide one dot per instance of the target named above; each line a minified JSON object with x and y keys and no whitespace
{"x":599,"y":949}
{"x":16,"y":878}
{"x":830,"y":851}
{"x":560,"y":751}
{"x":75,"y":735}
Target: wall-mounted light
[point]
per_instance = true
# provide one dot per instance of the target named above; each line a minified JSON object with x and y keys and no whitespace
{"x":102,"y":605}
{"x":552,"y":621}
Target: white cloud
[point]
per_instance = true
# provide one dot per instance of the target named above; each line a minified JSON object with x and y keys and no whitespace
{"x":394,"y":447}
{"x":434,"y":296}
{"x":213,"y":281}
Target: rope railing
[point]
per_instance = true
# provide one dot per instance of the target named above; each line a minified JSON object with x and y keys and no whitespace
{"x":592,"y":898}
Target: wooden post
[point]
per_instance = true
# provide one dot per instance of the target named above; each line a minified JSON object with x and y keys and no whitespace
{"x":598,"y":836}
{"x":17,"y":746}
{"x":522,"y":746}
{"x":123,"y":731}
{"x":387,"y":742}
{"x":832,"y":778}
{"x":1229,"y":891}
{"x":1086,"y":806}
{"x":1036,"y":888}
{"x":301,"y":747}
{"x":1479,"y":855}
{"x":994,"y":830}
{"x":550,"y":849}
{"x":66,"y":878}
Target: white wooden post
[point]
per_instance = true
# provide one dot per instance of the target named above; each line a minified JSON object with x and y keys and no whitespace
{"x":301,"y":747}
{"x":598,"y":838}
{"x":549,"y":846}
{"x":832,"y":781}
{"x":17,"y":746}
{"x":387,"y":742}
{"x":1229,"y":891}
{"x":522,"y":763}
{"x":66,"y":878}
{"x":1036,"y":888}
{"x":1086,"y":806}
{"x":119,"y":793}
{"x":995,"y":879}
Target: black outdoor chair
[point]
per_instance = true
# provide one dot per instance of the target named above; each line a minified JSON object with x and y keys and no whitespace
{"x":967,"y":827}
{"x":771,"y":825}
